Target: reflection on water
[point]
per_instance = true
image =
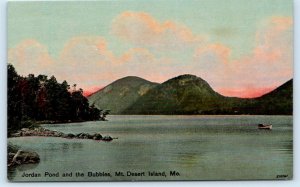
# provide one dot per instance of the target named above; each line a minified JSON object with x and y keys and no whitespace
{"x":199,"y":147}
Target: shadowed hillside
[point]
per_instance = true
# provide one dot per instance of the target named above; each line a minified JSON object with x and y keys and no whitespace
{"x":121,"y":94}
{"x":279,"y":101}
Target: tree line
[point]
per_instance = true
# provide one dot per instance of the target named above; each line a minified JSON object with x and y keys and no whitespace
{"x":39,"y":98}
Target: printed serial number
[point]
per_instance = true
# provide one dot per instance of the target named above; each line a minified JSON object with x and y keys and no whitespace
{"x":281,"y":176}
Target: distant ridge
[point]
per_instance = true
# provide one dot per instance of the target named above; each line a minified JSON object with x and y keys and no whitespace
{"x":278,"y":101}
{"x":186,"y":94}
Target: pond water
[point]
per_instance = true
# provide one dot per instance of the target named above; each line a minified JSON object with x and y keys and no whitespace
{"x":163,"y":148}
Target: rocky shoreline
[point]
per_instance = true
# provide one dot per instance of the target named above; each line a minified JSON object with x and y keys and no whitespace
{"x":17,"y":157}
{"x":40,"y":131}
{"x":22,"y":157}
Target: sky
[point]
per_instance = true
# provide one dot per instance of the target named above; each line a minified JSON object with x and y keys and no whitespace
{"x":241,"y":48}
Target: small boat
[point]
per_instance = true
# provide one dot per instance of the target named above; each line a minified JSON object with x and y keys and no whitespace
{"x":264,"y":126}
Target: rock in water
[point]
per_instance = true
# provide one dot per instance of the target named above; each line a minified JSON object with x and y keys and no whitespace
{"x":23,"y":157}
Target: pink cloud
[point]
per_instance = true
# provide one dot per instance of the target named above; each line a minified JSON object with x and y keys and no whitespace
{"x":213,"y":53}
{"x":281,"y":23}
{"x":87,"y":61}
{"x":30,"y":56}
{"x":142,"y":29}
{"x":84,"y":60}
{"x":141,"y":62}
{"x":91,"y":50}
{"x":137,"y":56}
{"x":269,"y":65}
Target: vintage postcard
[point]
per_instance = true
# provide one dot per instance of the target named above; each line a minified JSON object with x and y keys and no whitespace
{"x":156,"y":90}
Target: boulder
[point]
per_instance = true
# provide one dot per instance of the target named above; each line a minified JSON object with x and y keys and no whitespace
{"x":84,"y":136}
{"x":23,"y":157}
{"x":17,"y":134}
{"x":24,"y":129}
{"x":58,"y":134}
{"x":81,"y":135}
{"x":70,"y":135}
{"x":78,"y":135}
{"x":107,"y":138}
{"x":90,"y":136}
{"x":27,"y":133}
{"x":97,"y":136}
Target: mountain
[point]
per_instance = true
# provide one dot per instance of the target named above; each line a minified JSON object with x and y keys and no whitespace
{"x":120,"y":94}
{"x":278,"y":101}
{"x":186,"y":94}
